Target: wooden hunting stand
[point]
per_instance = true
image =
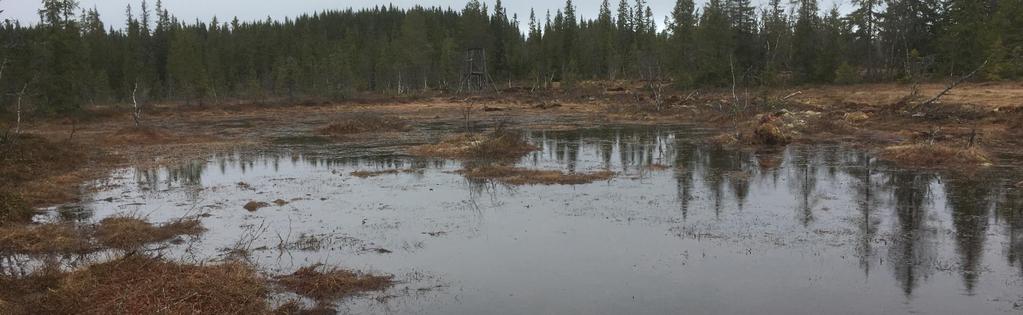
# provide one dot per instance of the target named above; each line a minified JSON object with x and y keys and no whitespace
{"x":475,"y":77}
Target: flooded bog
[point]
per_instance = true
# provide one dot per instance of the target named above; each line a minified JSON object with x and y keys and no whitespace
{"x":683,"y":227}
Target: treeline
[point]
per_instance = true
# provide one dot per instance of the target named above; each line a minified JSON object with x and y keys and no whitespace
{"x":71,"y":58}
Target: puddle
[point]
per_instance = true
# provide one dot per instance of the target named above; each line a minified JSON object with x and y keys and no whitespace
{"x":683,"y":227}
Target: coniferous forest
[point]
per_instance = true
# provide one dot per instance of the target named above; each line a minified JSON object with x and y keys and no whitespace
{"x":70,"y":58}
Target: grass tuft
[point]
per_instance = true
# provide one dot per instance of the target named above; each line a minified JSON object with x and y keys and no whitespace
{"x":146,"y":285}
{"x":131,"y":233}
{"x":45,"y":239}
{"x":498,"y":145}
{"x":328,"y":283}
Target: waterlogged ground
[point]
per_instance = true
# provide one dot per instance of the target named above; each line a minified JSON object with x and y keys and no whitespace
{"x":684,"y":227}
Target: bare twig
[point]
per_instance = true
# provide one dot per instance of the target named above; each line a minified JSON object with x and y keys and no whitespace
{"x":793,"y":94}
{"x":74,"y":128}
{"x":137,"y":112}
{"x":17,"y":125}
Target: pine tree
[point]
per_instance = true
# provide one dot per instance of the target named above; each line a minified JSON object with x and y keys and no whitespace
{"x":714,"y":44}
{"x":682,"y":40}
{"x":805,"y":40}
{"x":865,"y":20}
{"x":777,"y":38}
{"x":605,"y":40}
{"x":964,"y":30}
{"x":61,"y":73}
{"x":908,"y":26}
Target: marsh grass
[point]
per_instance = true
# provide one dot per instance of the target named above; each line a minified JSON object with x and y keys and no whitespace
{"x":362,"y":123}
{"x":141,"y":285}
{"x":935,"y":155}
{"x":30,"y":239}
{"x":496,"y":145}
{"x":131,"y":233}
{"x":324,"y":283}
{"x":14,"y":209}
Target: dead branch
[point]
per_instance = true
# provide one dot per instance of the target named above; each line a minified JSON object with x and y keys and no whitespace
{"x":17,"y":124}
{"x":137,"y":111}
{"x":731,"y":68}
{"x":793,"y":94}
{"x":691,"y":95}
{"x":74,"y":128}
{"x":3,"y":66}
{"x":954,"y":84}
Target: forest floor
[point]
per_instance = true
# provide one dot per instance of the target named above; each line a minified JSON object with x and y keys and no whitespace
{"x":976,"y":125}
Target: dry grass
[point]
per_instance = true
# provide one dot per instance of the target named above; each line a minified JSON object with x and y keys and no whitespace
{"x":146,"y":285}
{"x":329,"y":283}
{"x":39,"y":170}
{"x":45,"y":239}
{"x":934,"y":155}
{"x":520,"y":176}
{"x":25,"y":294}
{"x":140,"y":135}
{"x":130,"y":233}
{"x":14,"y":209}
{"x":363,"y":123}
{"x":495,"y":145}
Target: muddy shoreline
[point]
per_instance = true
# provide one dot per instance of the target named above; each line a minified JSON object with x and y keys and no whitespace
{"x":985,"y":113}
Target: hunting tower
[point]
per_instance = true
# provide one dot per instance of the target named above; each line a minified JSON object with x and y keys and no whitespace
{"x":475,"y":77}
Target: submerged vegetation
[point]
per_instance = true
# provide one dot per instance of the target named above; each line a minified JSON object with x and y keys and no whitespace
{"x":363,"y":123}
{"x":520,"y":176}
{"x":935,"y":155}
{"x":368,"y":174}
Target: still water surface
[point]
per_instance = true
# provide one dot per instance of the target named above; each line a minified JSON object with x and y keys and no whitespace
{"x":684,"y":227}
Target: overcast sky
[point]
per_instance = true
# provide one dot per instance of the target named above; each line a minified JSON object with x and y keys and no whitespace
{"x":112,"y":11}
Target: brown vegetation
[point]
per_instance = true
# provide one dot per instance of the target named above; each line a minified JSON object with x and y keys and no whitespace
{"x":363,"y":123}
{"x":520,"y":176}
{"x":934,"y":155}
{"x":45,"y":239}
{"x":328,"y":283}
{"x":138,"y":285}
{"x":130,"y":233}
{"x":140,"y":135}
{"x":497,"y":145}
{"x":14,"y":209}
{"x":36,"y":170}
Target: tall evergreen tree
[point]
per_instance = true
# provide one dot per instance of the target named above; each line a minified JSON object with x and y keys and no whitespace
{"x":805,"y":40}
{"x":61,"y":73}
{"x":682,"y":28}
